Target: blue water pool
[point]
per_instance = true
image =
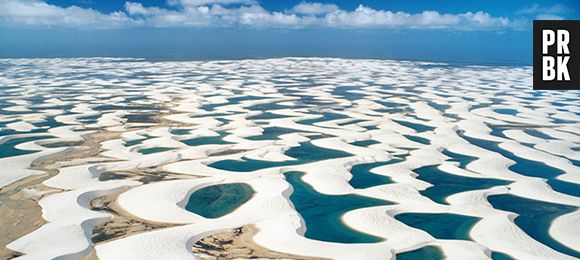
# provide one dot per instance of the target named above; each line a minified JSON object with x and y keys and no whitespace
{"x":535,"y":218}
{"x":218,"y":200}
{"x":446,"y":184}
{"x":530,"y":168}
{"x":440,"y":225}
{"x":363,"y":178}
{"x":322,"y":213}
{"x":306,"y":152}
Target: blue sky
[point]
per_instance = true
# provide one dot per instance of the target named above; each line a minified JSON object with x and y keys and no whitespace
{"x":483,"y":32}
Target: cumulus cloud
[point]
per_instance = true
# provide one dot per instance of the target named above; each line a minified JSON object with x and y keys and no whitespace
{"x":368,"y":17}
{"x":216,"y":13}
{"x":39,"y":13}
{"x":314,"y":8}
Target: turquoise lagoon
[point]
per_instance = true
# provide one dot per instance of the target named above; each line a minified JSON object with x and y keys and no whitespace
{"x":218,"y":200}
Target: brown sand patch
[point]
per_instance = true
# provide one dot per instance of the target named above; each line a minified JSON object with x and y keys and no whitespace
{"x":19,"y":207}
{"x":21,"y":214}
{"x":122,"y":224}
{"x":237,"y":243}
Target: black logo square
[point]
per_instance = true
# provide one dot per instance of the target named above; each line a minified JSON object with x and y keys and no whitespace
{"x":556,"y":55}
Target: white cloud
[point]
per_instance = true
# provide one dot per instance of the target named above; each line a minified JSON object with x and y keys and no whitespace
{"x":136,"y":9}
{"x":39,"y":13}
{"x":549,"y":17}
{"x":314,"y":8}
{"x":220,"y":13}
{"x":213,"y":15}
{"x":368,"y":17}
{"x":208,"y":2}
{"x":554,"y":12}
{"x":538,"y":9}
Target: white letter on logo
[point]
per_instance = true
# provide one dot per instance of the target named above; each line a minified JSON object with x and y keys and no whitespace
{"x":563,"y":68}
{"x":563,"y":40}
{"x":548,"y":39}
{"x":548,"y":72}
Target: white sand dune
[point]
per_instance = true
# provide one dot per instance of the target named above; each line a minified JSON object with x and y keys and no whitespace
{"x":412,"y":112}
